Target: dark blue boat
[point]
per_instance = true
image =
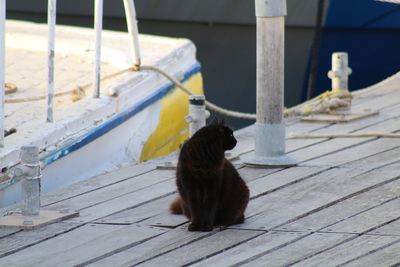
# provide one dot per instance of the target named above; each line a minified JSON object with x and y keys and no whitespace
{"x":369,"y":31}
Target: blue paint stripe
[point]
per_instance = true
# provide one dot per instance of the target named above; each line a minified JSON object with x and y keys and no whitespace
{"x":116,"y":120}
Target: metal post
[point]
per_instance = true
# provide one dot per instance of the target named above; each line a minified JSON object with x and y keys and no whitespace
{"x":270,"y":129}
{"x":2,"y":68}
{"x":98,"y":26}
{"x":197,"y":113}
{"x":51,"y":21}
{"x":131,"y":21}
{"x":31,"y":183}
{"x":340,"y":72}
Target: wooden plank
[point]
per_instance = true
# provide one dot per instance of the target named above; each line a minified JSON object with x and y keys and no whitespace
{"x":94,"y":212}
{"x":123,"y":202}
{"x":251,"y":249}
{"x":311,"y":195}
{"x":23,"y":239}
{"x":166,"y":219}
{"x":300,"y":249}
{"x":113,"y":191}
{"x":81,"y":246}
{"x":368,"y":220}
{"x":280,"y":179}
{"x":6,"y":232}
{"x":352,"y":153}
{"x":392,"y":228}
{"x":45,"y":217}
{"x":344,"y":117}
{"x":346,"y":209}
{"x":162,"y":244}
{"x":348,"y":251}
{"x":141,"y":213}
{"x":98,"y":182}
{"x":202,"y":248}
{"x":387,"y":256}
{"x":348,"y":170}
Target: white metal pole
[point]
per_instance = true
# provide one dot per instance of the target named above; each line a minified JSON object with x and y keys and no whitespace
{"x":2,"y":67}
{"x":131,"y":21}
{"x":98,"y":27}
{"x":51,"y":21}
{"x":270,"y":128}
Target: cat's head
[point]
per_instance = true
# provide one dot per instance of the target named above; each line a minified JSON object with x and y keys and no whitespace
{"x":225,"y":133}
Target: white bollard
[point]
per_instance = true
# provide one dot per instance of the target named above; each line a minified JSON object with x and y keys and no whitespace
{"x":270,"y":128}
{"x":197,"y":113}
{"x":30,"y":184}
{"x":340,"y":72}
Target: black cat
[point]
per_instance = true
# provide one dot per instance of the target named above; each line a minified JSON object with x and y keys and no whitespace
{"x":211,"y":190}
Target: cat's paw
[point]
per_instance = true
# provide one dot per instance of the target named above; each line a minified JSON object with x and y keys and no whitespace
{"x":205,"y":228}
{"x":193,"y":227}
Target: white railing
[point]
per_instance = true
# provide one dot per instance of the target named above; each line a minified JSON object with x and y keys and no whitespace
{"x":51,"y":21}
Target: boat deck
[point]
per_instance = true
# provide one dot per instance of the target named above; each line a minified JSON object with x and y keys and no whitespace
{"x":339,"y":206}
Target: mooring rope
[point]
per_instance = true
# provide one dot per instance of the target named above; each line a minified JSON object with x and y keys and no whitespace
{"x":324,"y":103}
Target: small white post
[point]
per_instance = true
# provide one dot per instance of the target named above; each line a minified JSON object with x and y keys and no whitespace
{"x":98,"y":27}
{"x":131,"y":21}
{"x":31,"y":183}
{"x":197,"y":113}
{"x":51,"y":22}
{"x":340,"y":72}
{"x":270,"y":128}
{"x":2,"y":67}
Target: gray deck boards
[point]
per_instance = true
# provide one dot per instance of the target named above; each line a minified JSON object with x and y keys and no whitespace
{"x":339,"y":206}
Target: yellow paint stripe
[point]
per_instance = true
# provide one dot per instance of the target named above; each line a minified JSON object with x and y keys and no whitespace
{"x":172,"y":130}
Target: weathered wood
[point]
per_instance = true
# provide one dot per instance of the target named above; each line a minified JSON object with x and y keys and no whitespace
{"x":253,"y":248}
{"x":348,"y":251}
{"x":44,"y":217}
{"x":280,"y":179}
{"x":81,"y":246}
{"x":388,"y":256}
{"x":140,"y":213}
{"x":341,"y":118}
{"x":125,"y":202}
{"x":311,"y":195}
{"x":5,"y":232}
{"x":300,"y":249}
{"x":98,"y":182}
{"x":392,"y":229}
{"x":202,"y":248}
{"x":113,"y":191}
{"x":348,"y":208}
{"x":23,"y":239}
{"x":368,"y":220}
{"x":171,"y":240}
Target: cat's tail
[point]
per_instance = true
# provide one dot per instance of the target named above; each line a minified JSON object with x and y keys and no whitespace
{"x":176,"y":207}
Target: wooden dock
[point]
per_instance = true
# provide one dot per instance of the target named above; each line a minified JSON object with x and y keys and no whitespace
{"x":339,"y":206}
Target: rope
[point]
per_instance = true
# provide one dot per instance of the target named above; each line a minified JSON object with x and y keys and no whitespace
{"x":324,"y":103}
{"x":209,"y":105}
{"x":78,"y":92}
{"x":342,"y":135}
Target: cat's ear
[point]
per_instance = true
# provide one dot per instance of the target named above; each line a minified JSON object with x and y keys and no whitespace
{"x":222,"y":122}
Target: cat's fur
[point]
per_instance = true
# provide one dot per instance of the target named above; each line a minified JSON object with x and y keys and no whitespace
{"x":212,"y":193}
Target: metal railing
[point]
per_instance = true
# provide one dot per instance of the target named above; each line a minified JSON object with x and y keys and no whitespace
{"x":51,"y":21}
